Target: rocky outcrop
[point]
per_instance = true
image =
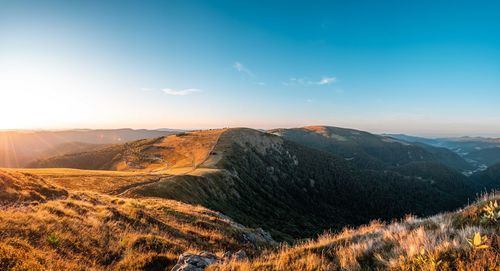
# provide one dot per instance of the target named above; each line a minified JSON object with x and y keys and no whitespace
{"x":258,"y":235}
{"x":240,"y":255}
{"x":198,"y":262}
{"x":195,"y":262}
{"x":252,"y":236}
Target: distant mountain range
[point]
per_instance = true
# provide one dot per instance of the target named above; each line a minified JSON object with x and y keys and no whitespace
{"x":461,"y":145}
{"x":18,"y":148}
{"x":478,"y":151}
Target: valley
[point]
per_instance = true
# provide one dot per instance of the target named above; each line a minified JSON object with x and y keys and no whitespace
{"x":479,"y":152}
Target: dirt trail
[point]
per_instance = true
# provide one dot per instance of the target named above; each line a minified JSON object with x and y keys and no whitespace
{"x":210,"y":151}
{"x":124,"y":190}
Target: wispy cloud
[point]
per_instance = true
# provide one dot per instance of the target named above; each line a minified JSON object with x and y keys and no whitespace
{"x":241,"y":68}
{"x":304,"y":81}
{"x":261,"y":83}
{"x":294,"y":81}
{"x":326,"y":80}
{"x":181,"y":92}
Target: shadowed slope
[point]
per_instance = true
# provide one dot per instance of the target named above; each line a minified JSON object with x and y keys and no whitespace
{"x":488,"y":157}
{"x":437,"y":243}
{"x":488,"y":179}
{"x":367,"y":150}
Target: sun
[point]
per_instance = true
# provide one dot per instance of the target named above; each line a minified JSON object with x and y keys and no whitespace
{"x":38,"y":96}
{"x":26,"y":102}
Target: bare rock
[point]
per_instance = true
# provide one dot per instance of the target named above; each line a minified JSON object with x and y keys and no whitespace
{"x":240,"y":255}
{"x":194,"y":262}
{"x":198,"y":262}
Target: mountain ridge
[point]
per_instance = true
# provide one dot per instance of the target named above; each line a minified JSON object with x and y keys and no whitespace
{"x":370,"y":150}
{"x":242,"y":171}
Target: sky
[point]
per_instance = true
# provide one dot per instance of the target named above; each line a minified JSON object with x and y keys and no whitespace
{"x":417,"y":67}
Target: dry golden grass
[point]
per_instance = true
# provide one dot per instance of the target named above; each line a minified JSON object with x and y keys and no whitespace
{"x":102,"y":181}
{"x":174,"y":154}
{"x":322,"y":130}
{"x":435,"y":243}
{"x":71,"y":172}
{"x":60,"y":230}
{"x":17,"y":188}
{"x":192,"y":148}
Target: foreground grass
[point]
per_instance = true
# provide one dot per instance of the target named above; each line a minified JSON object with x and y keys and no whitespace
{"x":43,"y":227}
{"x":465,"y":240}
{"x":46,"y":227}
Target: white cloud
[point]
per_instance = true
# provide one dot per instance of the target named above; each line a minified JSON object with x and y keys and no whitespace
{"x":326,"y":80}
{"x":181,"y":92}
{"x":241,"y":68}
{"x":260,"y":83}
{"x":304,"y":81}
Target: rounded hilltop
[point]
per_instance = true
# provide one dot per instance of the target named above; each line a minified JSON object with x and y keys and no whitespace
{"x":180,"y":153}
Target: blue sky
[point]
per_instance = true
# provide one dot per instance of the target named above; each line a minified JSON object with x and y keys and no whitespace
{"x":418,"y":67}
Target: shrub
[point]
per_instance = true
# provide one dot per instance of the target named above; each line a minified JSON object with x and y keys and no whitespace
{"x":478,"y":241}
{"x":53,"y":240}
{"x":491,"y":213}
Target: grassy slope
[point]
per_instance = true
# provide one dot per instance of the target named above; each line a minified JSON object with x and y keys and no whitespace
{"x":18,"y":188}
{"x":101,"y":181}
{"x":44,"y":227}
{"x":71,"y":147}
{"x":434,"y":243}
{"x":101,"y":159}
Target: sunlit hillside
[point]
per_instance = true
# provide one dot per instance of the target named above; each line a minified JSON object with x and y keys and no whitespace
{"x":179,"y":153}
{"x":44,"y":227}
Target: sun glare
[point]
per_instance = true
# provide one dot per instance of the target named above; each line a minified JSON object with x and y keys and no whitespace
{"x":38,"y":97}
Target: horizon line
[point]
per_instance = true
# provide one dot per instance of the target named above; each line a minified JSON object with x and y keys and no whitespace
{"x":429,"y":135}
